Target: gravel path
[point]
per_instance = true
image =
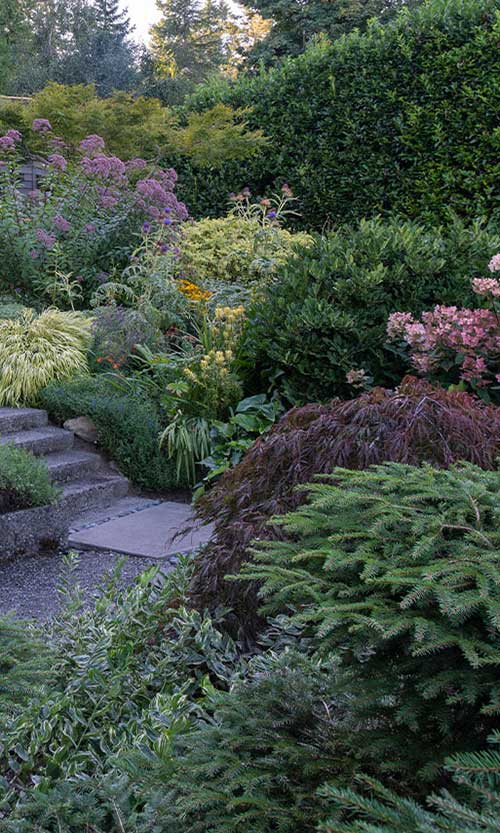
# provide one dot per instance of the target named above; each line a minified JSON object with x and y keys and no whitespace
{"x":28,"y":585}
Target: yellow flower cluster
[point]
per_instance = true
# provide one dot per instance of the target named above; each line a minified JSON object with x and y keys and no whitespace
{"x":193,"y":291}
{"x":229,"y":323}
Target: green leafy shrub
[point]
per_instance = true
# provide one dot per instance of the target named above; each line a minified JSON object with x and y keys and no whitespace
{"x":127,"y":678}
{"x":24,"y":480}
{"x":234,"y":249}
{"x":364,"y":125}
{"x":127,"y":428}
{"x":36,"y":350}
{"x":326,"y":313}
{"x":398,"y":570}
{"x":414,"y":424}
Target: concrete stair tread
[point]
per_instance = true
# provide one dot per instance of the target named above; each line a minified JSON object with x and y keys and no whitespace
{"x":19,"y":419}
{"x":72,"y":464}
{"x":42,"y":440}
{"x":93,"y":483}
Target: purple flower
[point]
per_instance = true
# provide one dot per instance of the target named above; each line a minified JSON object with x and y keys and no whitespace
{"x":61,"y":224}
{"x":146,"y":227}
{"x":6,"y":143}
{"x":58,"y":161}
{"x":41,"y":126}
{"x":167,"y":221}
{"x":108,"y":198}
{"x":14,"y":134}
{"x":167,"y":209}
{"x":271,"y":214}
{"x":92,"y":144}
{"x":34,"y":254}
{"x":46,"y":239}
{"x":90,"y":228}
{"x":165,"y":248}
{"x":106,"y":167}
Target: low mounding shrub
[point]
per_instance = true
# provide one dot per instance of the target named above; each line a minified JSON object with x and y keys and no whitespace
{"x":24,"y":480}
{"x":414,"y":424}
{"x":234,"y":249}
{"x":364,"y":124}
{"x":127,"y":428}
{"x":326,"y":313}
{"x":397,"y":569}
{"x":36,"y":350}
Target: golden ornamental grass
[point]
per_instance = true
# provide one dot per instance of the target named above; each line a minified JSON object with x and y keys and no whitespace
{"x":38,"y":349}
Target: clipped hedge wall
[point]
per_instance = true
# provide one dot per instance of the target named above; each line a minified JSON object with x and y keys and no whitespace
{"x":403,"y":117}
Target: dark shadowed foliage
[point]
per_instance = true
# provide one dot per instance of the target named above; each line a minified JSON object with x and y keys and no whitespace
{"x":414,"y":424}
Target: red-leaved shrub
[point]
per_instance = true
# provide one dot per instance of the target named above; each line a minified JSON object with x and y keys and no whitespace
{"x":414,"y":424}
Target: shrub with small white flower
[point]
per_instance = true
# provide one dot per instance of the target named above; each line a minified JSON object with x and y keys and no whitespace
{"x":84,"y":218}
{"x":456,"y":346}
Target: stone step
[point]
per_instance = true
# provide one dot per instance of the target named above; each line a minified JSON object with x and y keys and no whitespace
{"x":95,"y":491}
{"x":21,"y":419}
{"x":40,"y":440}
{"x":72,"y":465}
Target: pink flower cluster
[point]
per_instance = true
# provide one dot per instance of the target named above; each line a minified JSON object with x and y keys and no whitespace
{"x":155,"y":196}
{"x":11,"y":138}
{"x":41,"y":126}
{"x":61,"y":223}
{"x":104,"y":167}
{"x":494,"y":264}
{"x":92,"y":144}
{"x":56,"y":160}
{"x":448,"y":338}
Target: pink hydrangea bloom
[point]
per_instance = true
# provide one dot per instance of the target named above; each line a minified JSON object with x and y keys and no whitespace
{"x":445,"y":334}
{"x":397,"y":323}
{"x":494,"y":264}
{"x":486,"y":286}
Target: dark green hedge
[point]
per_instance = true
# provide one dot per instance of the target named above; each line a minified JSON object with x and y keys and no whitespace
{"x":402,"y":118}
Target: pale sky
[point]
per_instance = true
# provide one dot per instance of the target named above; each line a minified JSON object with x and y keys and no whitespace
{"x":143,"y":13}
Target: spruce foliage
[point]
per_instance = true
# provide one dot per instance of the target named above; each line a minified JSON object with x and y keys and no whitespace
{"x":261,"y":750}
{"x":398,"y":569}
{"x":379,"y":810}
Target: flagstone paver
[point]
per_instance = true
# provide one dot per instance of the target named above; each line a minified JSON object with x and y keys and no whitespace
{"x":157,"y":531}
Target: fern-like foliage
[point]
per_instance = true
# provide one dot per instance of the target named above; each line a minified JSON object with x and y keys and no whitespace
{"x":398,"y":569}
{"x":372,"y":808}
